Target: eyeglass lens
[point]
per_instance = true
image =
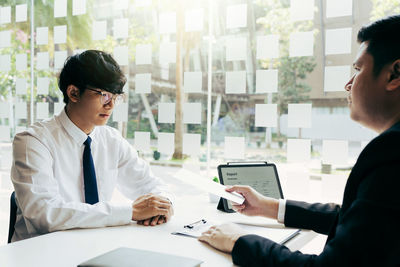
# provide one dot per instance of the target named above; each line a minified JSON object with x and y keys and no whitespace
{"x":107,"y":97}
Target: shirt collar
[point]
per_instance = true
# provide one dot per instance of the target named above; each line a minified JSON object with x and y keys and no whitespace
{"x":77,"y":134}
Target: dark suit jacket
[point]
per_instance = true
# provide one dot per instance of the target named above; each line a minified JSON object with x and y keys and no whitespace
{"x":364,"y":231}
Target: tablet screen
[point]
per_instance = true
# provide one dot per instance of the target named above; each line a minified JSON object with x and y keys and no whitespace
{"x":264,"y":178}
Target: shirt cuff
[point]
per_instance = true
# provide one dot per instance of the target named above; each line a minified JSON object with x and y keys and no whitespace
{"x":281,"y":210}
{"x":120,"y":214}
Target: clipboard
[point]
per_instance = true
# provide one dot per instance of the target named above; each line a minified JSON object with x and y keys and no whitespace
{"x":262,"y":176}
{"x":194,"y":229}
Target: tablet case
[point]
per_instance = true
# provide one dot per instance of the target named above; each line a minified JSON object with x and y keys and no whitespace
{"x":223,"y":204}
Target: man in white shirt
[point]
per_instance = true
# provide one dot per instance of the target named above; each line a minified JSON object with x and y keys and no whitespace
{"x":66,"y":168}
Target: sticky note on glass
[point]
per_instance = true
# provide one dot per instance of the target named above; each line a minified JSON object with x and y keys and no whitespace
{"x":336,"y":78}
{"x":166,"y":113}
{"x":192,"y":113}
{"x":60,"y":34}
{"x":334,"y":152}
{"x":121,"y":28}
{"x":192,"y":82}
{"x":266,"y":115}
{"x":301,"y":44}
{"x":21,"y":61}
{"x":299,"y":115}
{"x":266,"y":81}
{"x":363,"y":145}
{"x":332,"y":187}
{"x":297,"y":181}
{"x":20,"y":110}
{"x":194,"y":20}
{"x":235,"y":82}
{"x":191,"y":144}
{"x":143,"y":83}
{"x":167,"y":23}
{"x":142,"y":3}
{"x":121,"y":55}
{"x":236,"y":16}
{"x":43,"y":85}
{"x":5,"y":63}
{"x":4,"y":110}
{"x":20,"y":129}
{"x":58,"y":107}
{"x":5,"y":14}
{"x":78,"y":51}
{"x":59,"y":59}
{"x":236,"y":48}
{"x":121,"y":4}
{"x":166,"y":143}
{"x":20,"y":86}
{"x":5,"y":39}
{"x":339,"y":8}
{"x":267,"y":46}
{"x":42,"y":35}
{"x":4,"y":133}
{"x":21,"y":13}
{"x":338,"y":41}
{"x":99,"y":30}
{"x":143,"y":54}
{"x":167,"y":53}
{"x":298,"y":150}
{"x":42,"y":60}
{"x":125,"y":89}
{"x":234,"y":147}
{"x":60,"y":8}
{"x":120,"y":112}
{"x":142,"y":141}
{"x":164,"y":71}
{"x":42,"y":111}
{"x":78,"y":7}
{"x":301,"y":10}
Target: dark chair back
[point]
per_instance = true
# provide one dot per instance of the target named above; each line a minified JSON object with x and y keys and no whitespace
{"x":13,"y":216}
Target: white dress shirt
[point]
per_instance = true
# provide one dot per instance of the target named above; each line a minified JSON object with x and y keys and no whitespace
{"x":47,"y":174}
{"x":281,"y":210}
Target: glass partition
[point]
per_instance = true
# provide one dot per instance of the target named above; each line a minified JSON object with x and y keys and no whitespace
{"x":208,"y":81}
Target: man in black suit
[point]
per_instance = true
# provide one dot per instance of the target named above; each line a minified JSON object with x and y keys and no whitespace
{"x":364,"y":230}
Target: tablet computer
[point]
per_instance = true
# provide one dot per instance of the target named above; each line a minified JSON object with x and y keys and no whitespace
{"x":263,"y":177}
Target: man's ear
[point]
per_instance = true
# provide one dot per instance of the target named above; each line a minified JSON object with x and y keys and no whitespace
{"x":394,"y":80}
{"x":73,"y":93}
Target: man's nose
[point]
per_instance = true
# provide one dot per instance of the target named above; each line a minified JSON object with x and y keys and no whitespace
{"x":110,"y":105}
{"x":348,"y":85}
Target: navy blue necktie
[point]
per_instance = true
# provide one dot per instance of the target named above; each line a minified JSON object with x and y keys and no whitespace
{"x":89,"y":175}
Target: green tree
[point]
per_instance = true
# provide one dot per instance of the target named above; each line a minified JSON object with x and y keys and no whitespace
{"x":382,"y":8}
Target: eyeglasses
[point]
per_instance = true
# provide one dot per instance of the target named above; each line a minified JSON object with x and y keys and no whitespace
{"x":106,"y":97}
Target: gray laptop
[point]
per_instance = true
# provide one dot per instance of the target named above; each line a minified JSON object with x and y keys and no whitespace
{"x":130,"y":257}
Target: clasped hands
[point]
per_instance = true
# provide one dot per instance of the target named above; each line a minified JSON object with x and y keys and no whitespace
{"x":151,"y":210}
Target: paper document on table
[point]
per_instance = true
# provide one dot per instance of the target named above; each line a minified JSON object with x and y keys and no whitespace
{"x":259,"y":221}
{"x":207,"y":185}
{"x":280,"y":236}
{"x":194,"y":229}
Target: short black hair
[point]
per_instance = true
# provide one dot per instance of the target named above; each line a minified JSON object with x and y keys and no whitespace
{"x":91,"y":68}
{"x":383,"y":41}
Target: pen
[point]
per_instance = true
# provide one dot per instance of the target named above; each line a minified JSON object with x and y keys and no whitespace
{"x":290,"y":237}
{"x":192,"y":225}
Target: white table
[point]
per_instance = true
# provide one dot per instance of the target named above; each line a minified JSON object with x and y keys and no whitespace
{"x":69,"y":248}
